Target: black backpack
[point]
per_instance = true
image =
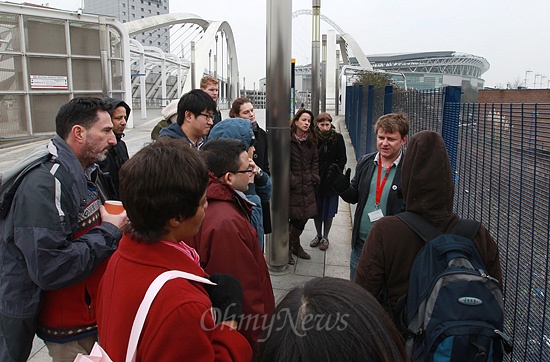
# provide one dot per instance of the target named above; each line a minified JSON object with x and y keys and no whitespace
{"x":454,"y":309}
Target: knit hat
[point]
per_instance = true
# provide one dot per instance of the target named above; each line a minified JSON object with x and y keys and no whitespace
{"x":170,"y":109}
{"x":237,"y":128}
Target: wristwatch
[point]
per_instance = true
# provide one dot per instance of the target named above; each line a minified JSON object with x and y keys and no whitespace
{"x":260,"y":173}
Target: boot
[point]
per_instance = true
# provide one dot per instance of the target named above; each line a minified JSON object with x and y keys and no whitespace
{"x":294,"y":243}
{"x":290,"y":258}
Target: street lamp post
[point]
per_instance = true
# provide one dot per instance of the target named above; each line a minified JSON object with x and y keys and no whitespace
{"x":535,"y":81}
{"x":527,"y":71}
{"x":216,"y":58}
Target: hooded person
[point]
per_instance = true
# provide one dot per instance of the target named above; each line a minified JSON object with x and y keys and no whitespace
{"x":391,"y":246}
{"x":259,"y":186}
{"x":118,"y":154}
{"x":169,"y":116}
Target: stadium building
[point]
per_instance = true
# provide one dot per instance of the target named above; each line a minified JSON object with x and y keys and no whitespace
{"x":432,"y":70}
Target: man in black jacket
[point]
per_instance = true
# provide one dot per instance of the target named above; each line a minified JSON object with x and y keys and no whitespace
{"x":117,"y":154}
{"x":376,"y":186}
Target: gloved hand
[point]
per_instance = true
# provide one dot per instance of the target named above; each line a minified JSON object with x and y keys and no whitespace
{"x":339,"y":181}
{"x":226,"y":297}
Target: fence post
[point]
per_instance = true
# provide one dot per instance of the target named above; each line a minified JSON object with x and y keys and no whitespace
{"x":388,"y":99}
{"x":369,"y":121}
{"x":348,"y":110}
{"x":356,"y":119}
{"x":450,"y":117}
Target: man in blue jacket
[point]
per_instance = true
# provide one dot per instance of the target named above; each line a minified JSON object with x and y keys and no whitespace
{"x":54,"y":238}
{"x":196,"y":112}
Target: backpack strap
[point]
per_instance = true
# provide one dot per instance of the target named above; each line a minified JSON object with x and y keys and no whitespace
{"x":466,"y":228}
{"x":419,"y":225}
{"x":150,"y":295}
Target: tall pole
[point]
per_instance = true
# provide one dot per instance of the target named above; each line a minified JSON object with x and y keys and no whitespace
{"x":315,"y":50}
{"x":193,"y":80}
{"x":292,"y":87}
{"x":324,"y":74}
{"x":527,"y":71}
{"x":278,"y":53}
{"x":216,"y":58}
{"x":535,"y":81}
{"x":337,"y":84}
{"x":222,"y":86}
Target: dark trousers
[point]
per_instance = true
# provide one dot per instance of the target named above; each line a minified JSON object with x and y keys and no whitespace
{"x":16,"y":336}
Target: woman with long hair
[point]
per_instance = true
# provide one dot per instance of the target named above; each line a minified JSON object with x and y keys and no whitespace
{"x":331,"y":150}
{"x":304,"y":176}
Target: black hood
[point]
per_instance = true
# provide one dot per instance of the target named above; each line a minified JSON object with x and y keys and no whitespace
{"x":117,"y":103}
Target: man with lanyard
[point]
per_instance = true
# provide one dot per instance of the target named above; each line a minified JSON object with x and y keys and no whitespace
{"x":195,"y":118}
{"x":376,"y":186}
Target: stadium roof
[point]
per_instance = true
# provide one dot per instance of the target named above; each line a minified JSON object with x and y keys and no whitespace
{"x":443,"y":62}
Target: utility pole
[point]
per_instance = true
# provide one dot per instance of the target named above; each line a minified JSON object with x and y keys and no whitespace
{"x":527,"y":71}
{"x":315,"y":48}
{"x":535,"y":80}
{"x":324,"y":73}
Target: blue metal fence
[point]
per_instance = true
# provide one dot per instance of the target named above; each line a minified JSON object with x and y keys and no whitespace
{"x":501,"y":157}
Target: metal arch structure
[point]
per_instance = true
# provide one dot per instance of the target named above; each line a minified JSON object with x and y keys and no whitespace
{"x":204,"y":45}
{"x":346,"y":40}
{"x":325,"y":18}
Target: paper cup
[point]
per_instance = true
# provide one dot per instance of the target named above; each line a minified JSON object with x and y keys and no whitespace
{"x":113,"y":207}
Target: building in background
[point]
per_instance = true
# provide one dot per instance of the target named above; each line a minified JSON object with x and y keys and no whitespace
{"x":128,"y":10}
{"x":433,"y":70}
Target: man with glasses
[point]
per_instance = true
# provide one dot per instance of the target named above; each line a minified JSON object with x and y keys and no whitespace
{"x":118,"y":154}
{"x":195,"y":118}
{"x":227,"y":242}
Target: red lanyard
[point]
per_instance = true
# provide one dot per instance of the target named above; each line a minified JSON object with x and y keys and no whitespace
{"x":380,"y":186}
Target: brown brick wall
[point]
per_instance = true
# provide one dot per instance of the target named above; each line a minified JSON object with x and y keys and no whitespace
{"x":514,"y":96}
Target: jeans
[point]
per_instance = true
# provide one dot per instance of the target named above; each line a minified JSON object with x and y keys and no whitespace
{"x":354,"y":258}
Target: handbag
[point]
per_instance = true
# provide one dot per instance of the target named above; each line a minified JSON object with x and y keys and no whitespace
{"x":99,"y":355}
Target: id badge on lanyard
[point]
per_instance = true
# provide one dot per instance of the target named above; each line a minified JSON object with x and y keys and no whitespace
{"x":378,"y":214}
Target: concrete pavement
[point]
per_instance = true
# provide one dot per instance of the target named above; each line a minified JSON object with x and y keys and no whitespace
{"x":332,"y":263}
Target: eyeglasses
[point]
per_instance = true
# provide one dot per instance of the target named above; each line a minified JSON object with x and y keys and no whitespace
{"x":208,"y":116}
{"x":249,"y":171}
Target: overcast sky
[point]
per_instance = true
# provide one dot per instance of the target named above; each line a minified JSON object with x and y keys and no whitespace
{"x":512,"y":35}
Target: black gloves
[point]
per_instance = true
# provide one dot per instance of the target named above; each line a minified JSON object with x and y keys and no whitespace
{"x":226,"y":297}
{"x":339,"y":181}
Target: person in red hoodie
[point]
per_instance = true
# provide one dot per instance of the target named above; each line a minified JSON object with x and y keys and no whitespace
{"x":165,"y":207}
{"x":227,"y":242}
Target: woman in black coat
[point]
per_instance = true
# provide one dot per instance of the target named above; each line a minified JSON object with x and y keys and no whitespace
{"x":331,"y":150}
{"x":304,"y":177}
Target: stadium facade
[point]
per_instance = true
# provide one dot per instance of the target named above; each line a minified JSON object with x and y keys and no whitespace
{"x":432,"y":70}
{"x":424,"y":70}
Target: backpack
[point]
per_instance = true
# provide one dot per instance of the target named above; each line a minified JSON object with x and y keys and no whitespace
{"x":454,"y":309}
{"x":11,"y":178}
